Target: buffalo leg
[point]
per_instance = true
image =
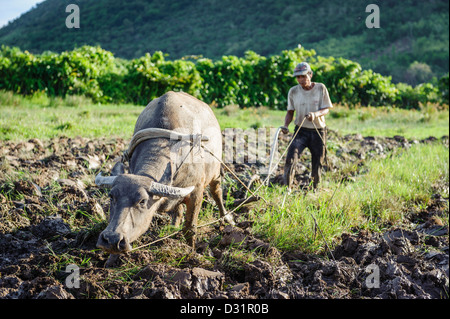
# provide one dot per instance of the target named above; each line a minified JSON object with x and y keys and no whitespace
{"x":193,"y":204}
{"x":216,"y":192}
{"x":177,"y":215}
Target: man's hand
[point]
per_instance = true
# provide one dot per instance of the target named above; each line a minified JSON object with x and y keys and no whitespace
{"x":287,"y":121}
{"x":311,"y":116}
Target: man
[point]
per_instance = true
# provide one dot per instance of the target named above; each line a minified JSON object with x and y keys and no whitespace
{"x":311,"y":102}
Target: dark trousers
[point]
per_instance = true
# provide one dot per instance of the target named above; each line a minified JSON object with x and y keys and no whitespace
{"x":306,"y":138}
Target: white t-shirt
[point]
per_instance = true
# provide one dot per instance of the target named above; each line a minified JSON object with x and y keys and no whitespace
{"x":303,"y":102}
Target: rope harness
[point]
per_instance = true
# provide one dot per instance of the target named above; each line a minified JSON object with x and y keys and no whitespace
{"x":196,"y":140}
{"x":153,"y":132}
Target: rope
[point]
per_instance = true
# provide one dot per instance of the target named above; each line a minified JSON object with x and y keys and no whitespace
{"x":232,"y":173}
{"x":155,"y":241}
{"x":282,"y":155}
{"x":324,"y":143}
{"x":200,"y":226}
{"x":247,"y":188}
{"x":216,"y":220}
{"x":272,"y":151}
{"x":312,"y":215}
{"x":154,"y":132}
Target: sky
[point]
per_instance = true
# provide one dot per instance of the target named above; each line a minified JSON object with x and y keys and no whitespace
{"x":11,"y":9}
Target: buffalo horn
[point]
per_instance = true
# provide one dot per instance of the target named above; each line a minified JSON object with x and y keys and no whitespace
{"x":169,"y":191}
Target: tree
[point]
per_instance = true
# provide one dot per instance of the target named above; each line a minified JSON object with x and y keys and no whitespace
{"x":418,"y":72}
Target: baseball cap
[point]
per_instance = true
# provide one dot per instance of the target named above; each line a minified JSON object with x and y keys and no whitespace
{"x":302,"y":69}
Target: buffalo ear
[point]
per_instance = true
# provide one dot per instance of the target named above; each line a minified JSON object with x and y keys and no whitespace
{"x":108,"y":181}
{"x":118,"y":169}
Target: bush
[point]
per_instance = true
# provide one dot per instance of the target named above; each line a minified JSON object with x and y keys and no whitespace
{"x":74,"y":73}
{"x":443,"y":89}
{"x":151,"y":76}
{"x":250,"y":81}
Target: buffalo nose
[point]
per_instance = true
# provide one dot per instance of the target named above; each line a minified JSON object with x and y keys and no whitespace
{"x":113,"y":242}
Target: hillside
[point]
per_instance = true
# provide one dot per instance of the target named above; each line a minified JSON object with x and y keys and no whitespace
{"x":411,"y":45}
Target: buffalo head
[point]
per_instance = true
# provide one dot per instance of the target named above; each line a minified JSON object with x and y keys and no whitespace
{"x":134,"y":201}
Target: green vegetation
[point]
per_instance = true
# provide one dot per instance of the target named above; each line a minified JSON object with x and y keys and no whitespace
{"x":428,"y":120}
{"x":390,"y":189}
{"x":250,"y":81}
{"x":411,"y":44}
{"x":94,"y":93}
{"x":382,"y":194}
{"x":40,"y":116}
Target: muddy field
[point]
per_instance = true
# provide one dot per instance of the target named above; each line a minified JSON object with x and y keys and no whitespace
{"x":52,"y":213}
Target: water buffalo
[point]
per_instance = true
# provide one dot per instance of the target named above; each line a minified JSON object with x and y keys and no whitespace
{"x":164,"y":172}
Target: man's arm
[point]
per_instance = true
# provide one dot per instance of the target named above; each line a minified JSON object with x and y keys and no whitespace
{"x":313,"y":115}
{"x":288,"y":120}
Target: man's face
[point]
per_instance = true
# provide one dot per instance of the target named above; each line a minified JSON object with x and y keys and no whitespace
{"x":304,"y":80}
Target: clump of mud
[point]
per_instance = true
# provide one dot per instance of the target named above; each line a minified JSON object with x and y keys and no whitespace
{"x":51,"y":214}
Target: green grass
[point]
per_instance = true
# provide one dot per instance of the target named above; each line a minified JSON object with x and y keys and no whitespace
{"x":381,"y":196}
{"x":368,"y":121}
{"x":42,"y":117}
{"x":430,"y":120}
{"x":23,"y":118}
{"x":390,"y":189}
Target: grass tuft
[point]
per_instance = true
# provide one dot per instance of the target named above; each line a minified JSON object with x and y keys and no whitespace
{"x":382,"y":196}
